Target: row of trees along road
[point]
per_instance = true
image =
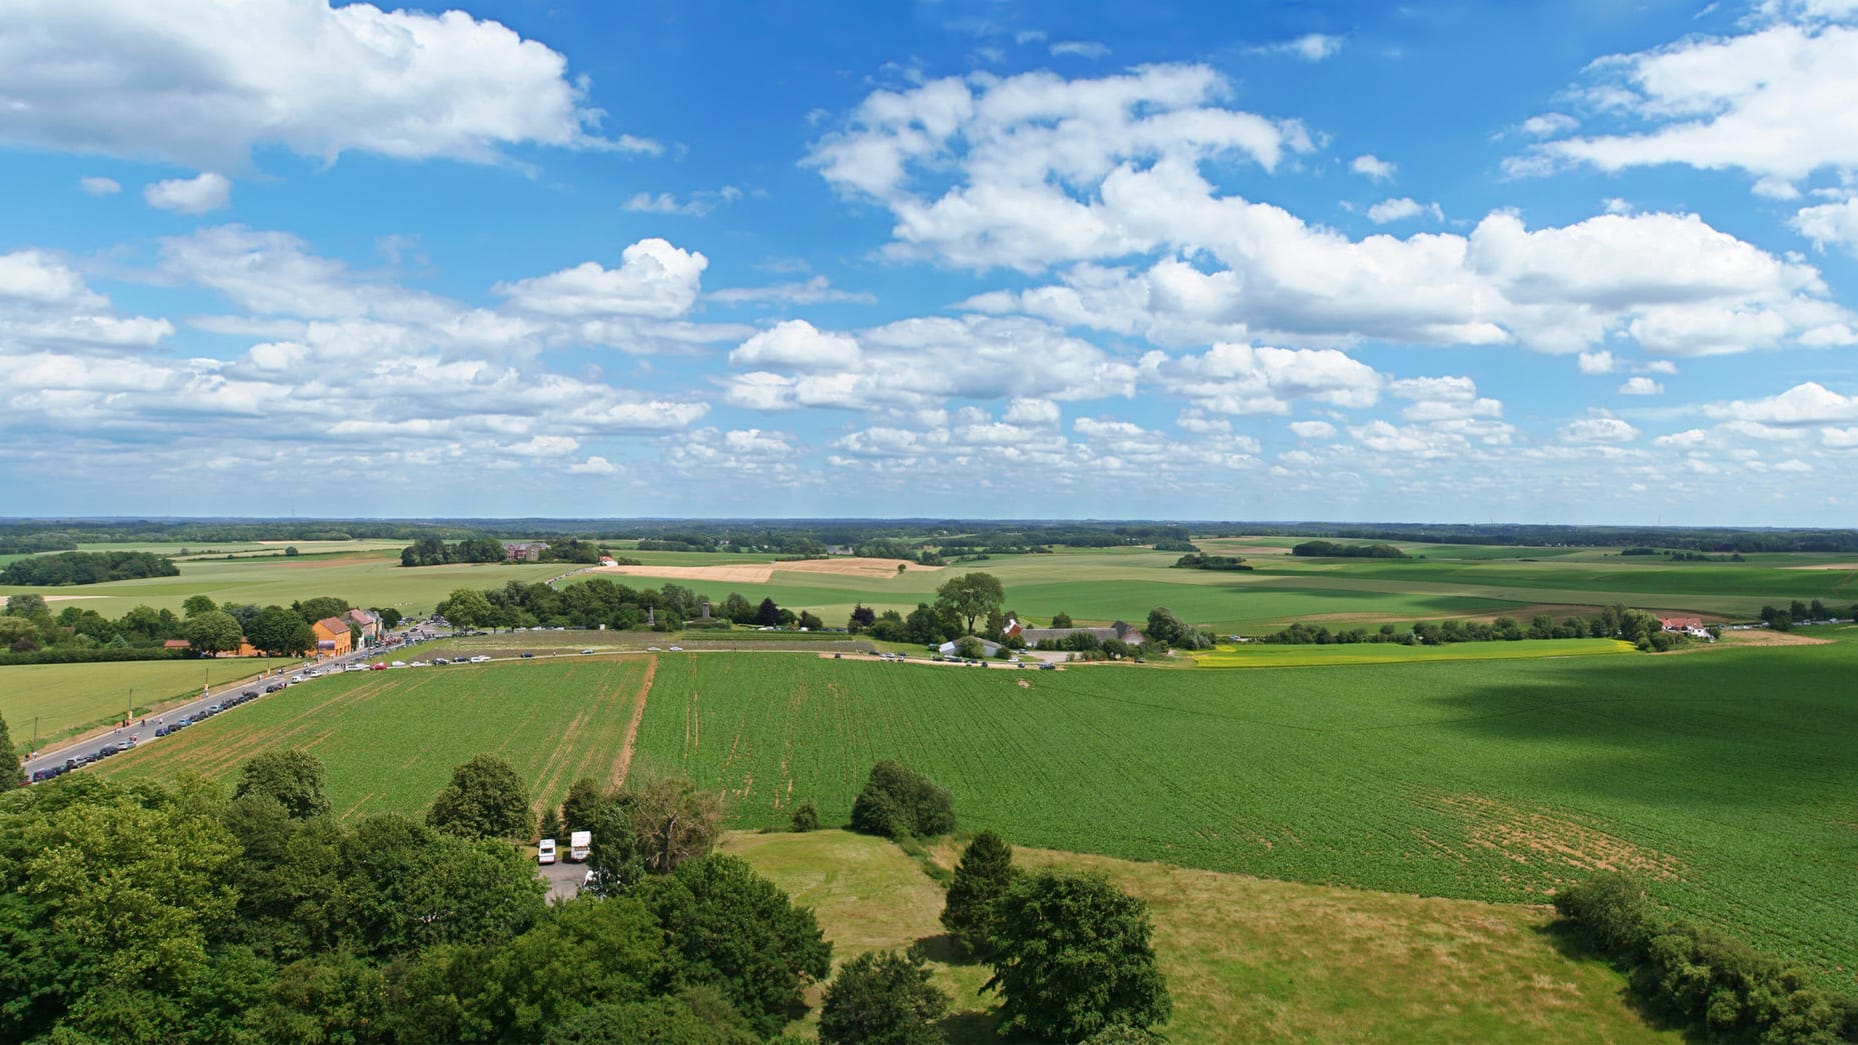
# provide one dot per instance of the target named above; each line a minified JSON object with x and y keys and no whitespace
{"x":30,"y":632}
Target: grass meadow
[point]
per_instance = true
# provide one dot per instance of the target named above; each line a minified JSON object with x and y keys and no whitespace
{"x":1247,"y":959}
{"x":67,"y":699}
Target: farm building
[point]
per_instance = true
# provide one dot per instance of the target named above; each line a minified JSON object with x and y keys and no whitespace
{"x":524,"y":551}
{"x":1035,"y":637}
{"x":988,"y":649}
{"x":1692,"y":626}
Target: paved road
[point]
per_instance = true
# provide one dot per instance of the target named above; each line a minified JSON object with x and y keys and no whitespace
{"x":144,"y":729}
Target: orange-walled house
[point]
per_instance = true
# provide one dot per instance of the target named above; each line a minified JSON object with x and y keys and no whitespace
{"x":332,"y":637}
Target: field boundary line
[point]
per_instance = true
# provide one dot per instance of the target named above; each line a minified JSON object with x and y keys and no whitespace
{"x":632,"y":726}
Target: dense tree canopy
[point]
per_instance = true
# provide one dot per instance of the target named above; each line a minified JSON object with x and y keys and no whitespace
{"x":279,"y":630}
{"x":12,"y":774}
{"x":738,"y":933}
{"x":212,"y":632}
{"x":293,"y":778}
{"x":87,"y":568}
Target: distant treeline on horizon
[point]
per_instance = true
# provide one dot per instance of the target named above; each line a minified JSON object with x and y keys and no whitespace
{"x":951,"y":539}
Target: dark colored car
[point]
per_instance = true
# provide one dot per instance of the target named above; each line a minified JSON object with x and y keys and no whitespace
{"x":249,"y":694}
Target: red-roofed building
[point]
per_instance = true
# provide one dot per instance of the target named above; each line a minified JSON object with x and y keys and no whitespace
{"x":332,"y":637}
{"x":368,"y":621}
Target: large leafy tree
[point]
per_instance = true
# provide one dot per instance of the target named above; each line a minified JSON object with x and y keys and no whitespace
{"x":1071,"y":957}
{"x":982,"y":878}
{"x":882,"y":998}
{"x":970,"y":597}
{"x":293,"y":778}
{"x":467,"y":608}
{"x":735,"y":931}
{"x":279,"y":630}
{"x":213,"y":631}
{"x":486,"y":799}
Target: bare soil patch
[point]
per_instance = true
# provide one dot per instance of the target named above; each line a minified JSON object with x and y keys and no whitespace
{"x":733,"y":573}
{"x":60,"y":598}
{"x":1528,"y":836}
{"x":853,"y":566}
{"x":1826,"y":566}
{"x":632,"y":728}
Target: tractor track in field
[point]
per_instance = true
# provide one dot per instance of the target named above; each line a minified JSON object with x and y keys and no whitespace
{"x":624,"y":764}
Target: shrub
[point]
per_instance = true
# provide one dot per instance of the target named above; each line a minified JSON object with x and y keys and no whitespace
{"x":900,"y":801}
{"x":806,"y":818}
{"x":1610,"y":912}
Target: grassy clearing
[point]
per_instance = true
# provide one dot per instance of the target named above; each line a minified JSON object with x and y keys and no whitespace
{"x":1257,"y":655}
{"x":68,"y":699}
{"x":1246,"y":958}
{"x":390,"y":739}
{"x":1725,"y":777}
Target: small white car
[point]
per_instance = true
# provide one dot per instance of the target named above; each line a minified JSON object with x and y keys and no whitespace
{"x":545,"y":852}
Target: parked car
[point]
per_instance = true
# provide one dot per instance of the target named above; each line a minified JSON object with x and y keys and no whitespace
{"x":545,"y":852}
{"x":249,"y":694}
{"x":528,"y":656}
{"x":588,"y":650}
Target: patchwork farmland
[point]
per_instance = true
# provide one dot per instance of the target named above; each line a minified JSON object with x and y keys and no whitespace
{"x":1724,"y":777}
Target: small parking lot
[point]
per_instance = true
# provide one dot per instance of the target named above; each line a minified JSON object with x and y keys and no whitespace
{"x":564,"y":879}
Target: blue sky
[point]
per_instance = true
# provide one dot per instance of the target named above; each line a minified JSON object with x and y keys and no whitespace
{"x":1536,"y":262}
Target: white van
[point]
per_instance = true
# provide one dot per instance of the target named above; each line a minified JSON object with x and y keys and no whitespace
{"x":545,"y":852}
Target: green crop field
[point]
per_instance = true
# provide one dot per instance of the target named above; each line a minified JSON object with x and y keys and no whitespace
{"x":66,"y":699}
{"x":390,"y":739}
{"x":1258,"y":655}
{"x":1728,"y":777}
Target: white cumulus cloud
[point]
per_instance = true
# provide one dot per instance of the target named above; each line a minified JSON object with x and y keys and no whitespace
{"x":654,"y":279}
{"x":197,"y":195}
{"x":203,"y":84}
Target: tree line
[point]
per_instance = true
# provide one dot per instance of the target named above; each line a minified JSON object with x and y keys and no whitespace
{"x":31,"y":634}
{"x":1798,"y":612}
{"x":64,"y":568}
{"x":1333,"y":550}
{"x":1638,"y":627}
{"x":1714,"y":987}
